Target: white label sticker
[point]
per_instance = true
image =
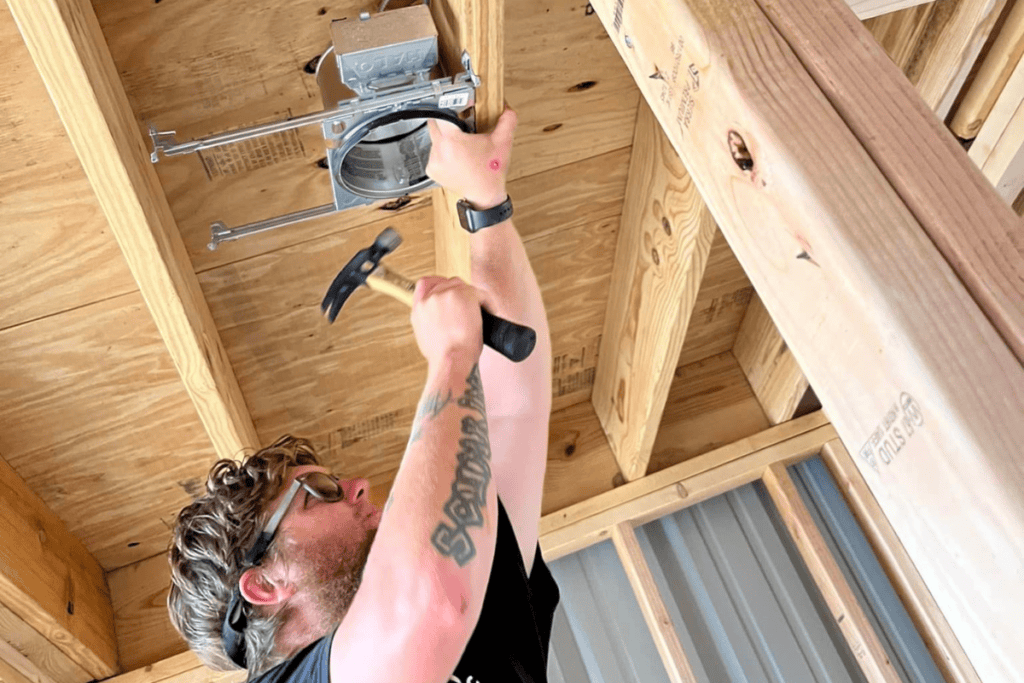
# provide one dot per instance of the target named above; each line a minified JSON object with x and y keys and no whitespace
{"x":454,"y":100}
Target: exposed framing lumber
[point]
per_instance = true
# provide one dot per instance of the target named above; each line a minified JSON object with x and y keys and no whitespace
{"x":998,"y":150}
{"x":15,"y":666}
{"x":650,"y":500}
{"x":665,"y":237}
{"x":773,"y":373}
{"x":67,"y":46}
{"x":945,"y":649}
{"x":963,"y":216}
{"x":850,"y":618}
{"x":477,"y":26}
{"x":988,"y":83}
{"x":659,"y":623}
{"x":51,"y":582}
{"x":888,"y":337}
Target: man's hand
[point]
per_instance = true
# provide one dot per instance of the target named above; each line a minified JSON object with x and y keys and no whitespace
{"x":474,"y":166}
{"x":446,"y":320}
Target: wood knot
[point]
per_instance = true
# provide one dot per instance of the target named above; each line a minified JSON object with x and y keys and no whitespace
{"x":585,"y":85}
{"x":740,"y":153}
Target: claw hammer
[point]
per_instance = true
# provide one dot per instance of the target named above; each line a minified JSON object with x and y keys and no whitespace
{"x":511,"y":340}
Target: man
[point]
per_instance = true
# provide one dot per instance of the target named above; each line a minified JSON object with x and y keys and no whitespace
{"x":294,"y":574}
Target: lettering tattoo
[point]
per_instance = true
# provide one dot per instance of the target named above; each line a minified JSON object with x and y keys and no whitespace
{"x":429,"y":410}
{"x":472,"y":475}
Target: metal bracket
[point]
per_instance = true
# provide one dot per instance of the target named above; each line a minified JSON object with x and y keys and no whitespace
{"x":219,"y":232}
{"x":162,"y":141}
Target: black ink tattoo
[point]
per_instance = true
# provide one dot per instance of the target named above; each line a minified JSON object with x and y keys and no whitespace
{"x":429,"y":410}
{"x":473,"y":474}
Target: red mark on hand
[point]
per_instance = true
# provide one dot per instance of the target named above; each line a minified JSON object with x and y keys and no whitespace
{"x":495,"y":165}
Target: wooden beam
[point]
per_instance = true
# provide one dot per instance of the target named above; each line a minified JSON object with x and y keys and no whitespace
{"x":183,"y":668}
{"x":773,"y":373}
{"x":67,"y":46}
{"x":976,"y":232}
{"x":40,"y":653}
{"x":850,"y":618}
{"x":866,"y":9}
{"x":664,"y":239}
{"x":15,"y":666}
{"x":51,"y":582}
{"x":998,"y":150}
{"x":477,"y":26}
{"x":903,"y":360}
{"x":945,"y":649}
{"x":980,"y":96}
{"x":670,"y":490}
{"x":651,"y":604}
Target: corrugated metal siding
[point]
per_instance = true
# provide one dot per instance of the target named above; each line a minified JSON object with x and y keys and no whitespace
{"x":742,"y":603}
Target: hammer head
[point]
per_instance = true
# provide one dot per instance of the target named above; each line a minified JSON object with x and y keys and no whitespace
{"x":356,"y":271}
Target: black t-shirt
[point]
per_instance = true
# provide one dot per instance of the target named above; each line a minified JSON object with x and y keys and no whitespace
{"x":510,"y":642}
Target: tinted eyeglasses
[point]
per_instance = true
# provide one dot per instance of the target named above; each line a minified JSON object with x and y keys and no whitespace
{"x":318,"y":484}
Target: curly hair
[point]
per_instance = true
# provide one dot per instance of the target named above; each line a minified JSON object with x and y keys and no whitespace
{"x":208,"y":546}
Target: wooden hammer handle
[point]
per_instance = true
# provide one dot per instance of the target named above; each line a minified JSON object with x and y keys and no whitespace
{"x":510,"y":339}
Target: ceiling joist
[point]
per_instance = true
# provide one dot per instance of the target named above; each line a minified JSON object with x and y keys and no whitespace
{"x":51,"y":582}
{"x":67,"y":46}
{"x":891,"y":341}
{"x":664,"y":241}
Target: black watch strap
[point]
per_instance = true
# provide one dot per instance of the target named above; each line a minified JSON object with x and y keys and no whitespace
{"x":473,"y":220}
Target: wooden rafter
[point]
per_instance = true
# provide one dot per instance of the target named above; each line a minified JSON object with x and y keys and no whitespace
{"x":476,"y":26}
{"x":902,"y":358}
{"x":664,"y":240}
{"x":67,"y":46}
{"x":51,"y":582}
{"x":769,"y":364}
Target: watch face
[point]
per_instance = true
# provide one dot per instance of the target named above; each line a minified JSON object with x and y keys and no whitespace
{"x":462,"y":206}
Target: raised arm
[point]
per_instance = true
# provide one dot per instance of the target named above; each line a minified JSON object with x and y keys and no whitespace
{"x":518,"y":394}
{"x":427,"y":572}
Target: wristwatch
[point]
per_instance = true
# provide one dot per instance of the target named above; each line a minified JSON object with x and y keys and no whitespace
{"x":473,"y":220}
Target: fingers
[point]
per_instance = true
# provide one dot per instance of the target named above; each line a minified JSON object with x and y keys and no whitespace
{"x":435,"y":284}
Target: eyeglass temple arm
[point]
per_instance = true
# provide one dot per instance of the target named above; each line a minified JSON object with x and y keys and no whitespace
{"x":255,"y":554}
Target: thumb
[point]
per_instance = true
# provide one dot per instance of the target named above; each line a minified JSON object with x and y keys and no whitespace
{"x":506,"y":125}
{"x":426,"y":285}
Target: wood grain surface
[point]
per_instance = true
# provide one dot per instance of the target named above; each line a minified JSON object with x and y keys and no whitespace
{"x":888,"y":337}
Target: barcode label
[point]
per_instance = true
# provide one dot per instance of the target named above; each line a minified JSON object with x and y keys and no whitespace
{"x":454,"y":100}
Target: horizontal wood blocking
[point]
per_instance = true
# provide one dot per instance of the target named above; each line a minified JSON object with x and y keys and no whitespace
{"x":903,"y":359}
{"x":51,"y":582}
{"x":682,"y":485}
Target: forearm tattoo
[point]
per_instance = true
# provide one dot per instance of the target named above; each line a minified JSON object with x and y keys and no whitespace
{"x":465,"y":508}
{"x":429,"y":410}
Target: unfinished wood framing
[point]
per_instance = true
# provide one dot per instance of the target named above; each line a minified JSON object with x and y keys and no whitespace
{"x":68,"y":48}
{"x":998,"y":149}
{"x":908,"y":366}
{"x":659,"y":623}
{"x":478,"y":26}
{"x":51,"y":582}
{"x":851,"y":278}
{"x":663,"y":245}
{"x":841,"y":601}
{"x":773,"y":373}
{"x":981,"y":94}
{"x":949,"y":656}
